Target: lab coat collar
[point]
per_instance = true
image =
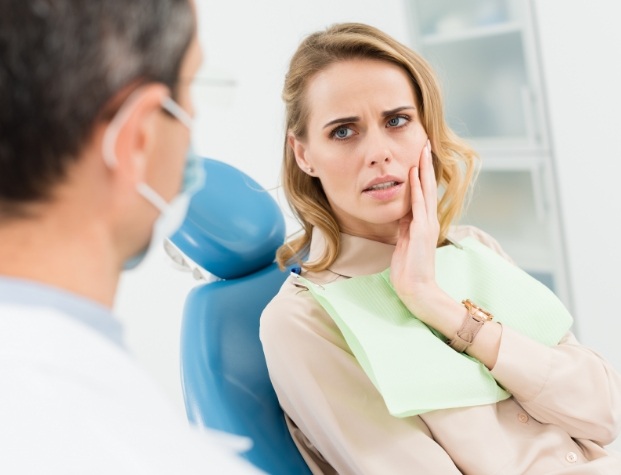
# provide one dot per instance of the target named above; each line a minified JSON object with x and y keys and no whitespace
{"x":36,"y":294}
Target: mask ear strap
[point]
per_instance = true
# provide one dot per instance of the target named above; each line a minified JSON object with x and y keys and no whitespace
{"x":108,"y":146}
{"x":152,"y":197}
{"x":177,"y":111}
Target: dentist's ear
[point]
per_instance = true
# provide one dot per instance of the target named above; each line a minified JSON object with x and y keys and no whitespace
{"x":299,"y":151}
{"x":129,"y":136}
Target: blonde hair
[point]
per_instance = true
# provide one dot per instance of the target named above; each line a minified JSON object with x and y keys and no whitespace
{"x":454,"y":161}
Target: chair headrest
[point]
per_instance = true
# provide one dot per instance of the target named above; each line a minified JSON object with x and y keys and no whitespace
{"x":233,"y":226}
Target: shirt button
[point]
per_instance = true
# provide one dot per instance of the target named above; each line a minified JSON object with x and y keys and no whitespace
{"x":571,"y":457}
{"x":523,"y":418}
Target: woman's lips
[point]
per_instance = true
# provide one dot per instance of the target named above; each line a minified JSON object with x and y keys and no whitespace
{"x":384,"y":191}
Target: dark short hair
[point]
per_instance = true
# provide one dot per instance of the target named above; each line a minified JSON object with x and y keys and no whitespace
{"x":61,"y":62}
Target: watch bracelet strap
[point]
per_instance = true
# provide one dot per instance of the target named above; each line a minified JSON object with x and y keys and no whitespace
{"x":466,"y":334}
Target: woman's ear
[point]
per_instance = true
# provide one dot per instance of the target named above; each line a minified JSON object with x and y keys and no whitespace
{"x":300,"y":153}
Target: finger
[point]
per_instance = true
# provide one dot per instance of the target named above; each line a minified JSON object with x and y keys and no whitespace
{"x":428,"y":183}
{"x":403,"y":237}
{"x":404,"y":227}
{"x":419,"y":211}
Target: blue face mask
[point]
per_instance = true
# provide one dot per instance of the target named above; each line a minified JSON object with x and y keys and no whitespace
{"x":172,"y":214}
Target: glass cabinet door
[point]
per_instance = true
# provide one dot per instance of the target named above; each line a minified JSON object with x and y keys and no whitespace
{"x":477,"y":49}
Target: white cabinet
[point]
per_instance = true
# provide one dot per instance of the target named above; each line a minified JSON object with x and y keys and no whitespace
{"x":485,"y":56}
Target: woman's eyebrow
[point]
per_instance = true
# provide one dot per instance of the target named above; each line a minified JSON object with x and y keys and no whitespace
{"x":342,"y":120}
{"x":355,"y":118}
{"x":397,"y":110}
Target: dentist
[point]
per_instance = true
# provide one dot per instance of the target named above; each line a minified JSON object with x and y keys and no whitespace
{"x":94,"y":129}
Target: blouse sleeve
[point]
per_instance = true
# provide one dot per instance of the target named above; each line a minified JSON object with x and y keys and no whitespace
{"x":328,"y":396}
{"x":567,"y":385}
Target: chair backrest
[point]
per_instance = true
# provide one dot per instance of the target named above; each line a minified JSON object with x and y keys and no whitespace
{"x":232,"y":230}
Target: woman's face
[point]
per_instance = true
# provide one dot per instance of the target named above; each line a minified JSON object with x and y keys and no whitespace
{"x":363,"y":136}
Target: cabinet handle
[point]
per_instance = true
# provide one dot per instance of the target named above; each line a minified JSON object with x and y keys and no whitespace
{"x":529,"y":115}
{"x":539,"y":200}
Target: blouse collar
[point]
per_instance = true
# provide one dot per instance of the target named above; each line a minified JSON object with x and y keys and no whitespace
{"x":357,"y":255}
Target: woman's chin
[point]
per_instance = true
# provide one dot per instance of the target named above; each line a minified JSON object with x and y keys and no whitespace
{"x":391,"y":214}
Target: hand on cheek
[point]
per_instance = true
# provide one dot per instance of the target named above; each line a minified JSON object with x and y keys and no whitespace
{"x":413,"y":262}
{"x":412,"y":270}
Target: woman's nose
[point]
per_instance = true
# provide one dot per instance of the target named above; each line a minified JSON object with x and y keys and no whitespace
{"x":386,"y":159}
{"x":378,"y":150}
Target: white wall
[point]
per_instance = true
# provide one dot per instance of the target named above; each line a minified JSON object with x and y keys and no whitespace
{"x":580,"y":50}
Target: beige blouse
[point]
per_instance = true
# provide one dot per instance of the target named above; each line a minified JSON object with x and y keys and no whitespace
{"x":566,"y":402}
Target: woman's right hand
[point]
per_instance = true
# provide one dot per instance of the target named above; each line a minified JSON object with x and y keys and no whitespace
{"x":413,"y":262}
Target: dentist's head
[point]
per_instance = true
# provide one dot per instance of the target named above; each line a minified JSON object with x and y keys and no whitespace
{"x":95,"y":118}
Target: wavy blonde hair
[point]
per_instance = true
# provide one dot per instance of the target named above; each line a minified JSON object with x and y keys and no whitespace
{"x":453,"y":160}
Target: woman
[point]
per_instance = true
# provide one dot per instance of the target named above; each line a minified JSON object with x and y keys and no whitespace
{"x":367,"y":150}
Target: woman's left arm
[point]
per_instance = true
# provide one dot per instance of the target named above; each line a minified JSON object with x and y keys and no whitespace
{"x":568,"y":385}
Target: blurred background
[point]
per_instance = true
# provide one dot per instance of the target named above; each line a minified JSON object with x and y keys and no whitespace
{"x":532,"y":84}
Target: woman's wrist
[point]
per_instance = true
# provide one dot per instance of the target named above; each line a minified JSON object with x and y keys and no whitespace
{"x":486,"y":346}
{"x":438,"y":310}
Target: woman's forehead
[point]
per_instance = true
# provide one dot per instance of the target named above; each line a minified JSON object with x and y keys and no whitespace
{"x":349,"y":86}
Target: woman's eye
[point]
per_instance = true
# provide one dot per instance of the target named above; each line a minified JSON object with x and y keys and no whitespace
{"x":342,"y":132}
{"x":397,"y":121}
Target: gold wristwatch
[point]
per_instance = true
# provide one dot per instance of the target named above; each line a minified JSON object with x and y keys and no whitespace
{"x":473,"y":322}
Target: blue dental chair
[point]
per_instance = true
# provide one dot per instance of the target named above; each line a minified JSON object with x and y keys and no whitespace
{"x":232,"y":231}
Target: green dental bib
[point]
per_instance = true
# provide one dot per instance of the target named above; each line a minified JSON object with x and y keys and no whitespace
{"x":410,"y":364}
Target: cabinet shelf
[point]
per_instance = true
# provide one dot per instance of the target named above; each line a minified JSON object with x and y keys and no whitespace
{"x":510,"y":164}
{"x":508,"y":146}
{"x":486,"y":31}
{"x":496,"y":158}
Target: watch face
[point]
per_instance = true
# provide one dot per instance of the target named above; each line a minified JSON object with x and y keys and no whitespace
{"x":477,"y":312}
{"x":480,"y":315}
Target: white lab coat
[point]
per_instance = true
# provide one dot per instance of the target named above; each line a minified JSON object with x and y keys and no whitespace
{"x":73,"y":401}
